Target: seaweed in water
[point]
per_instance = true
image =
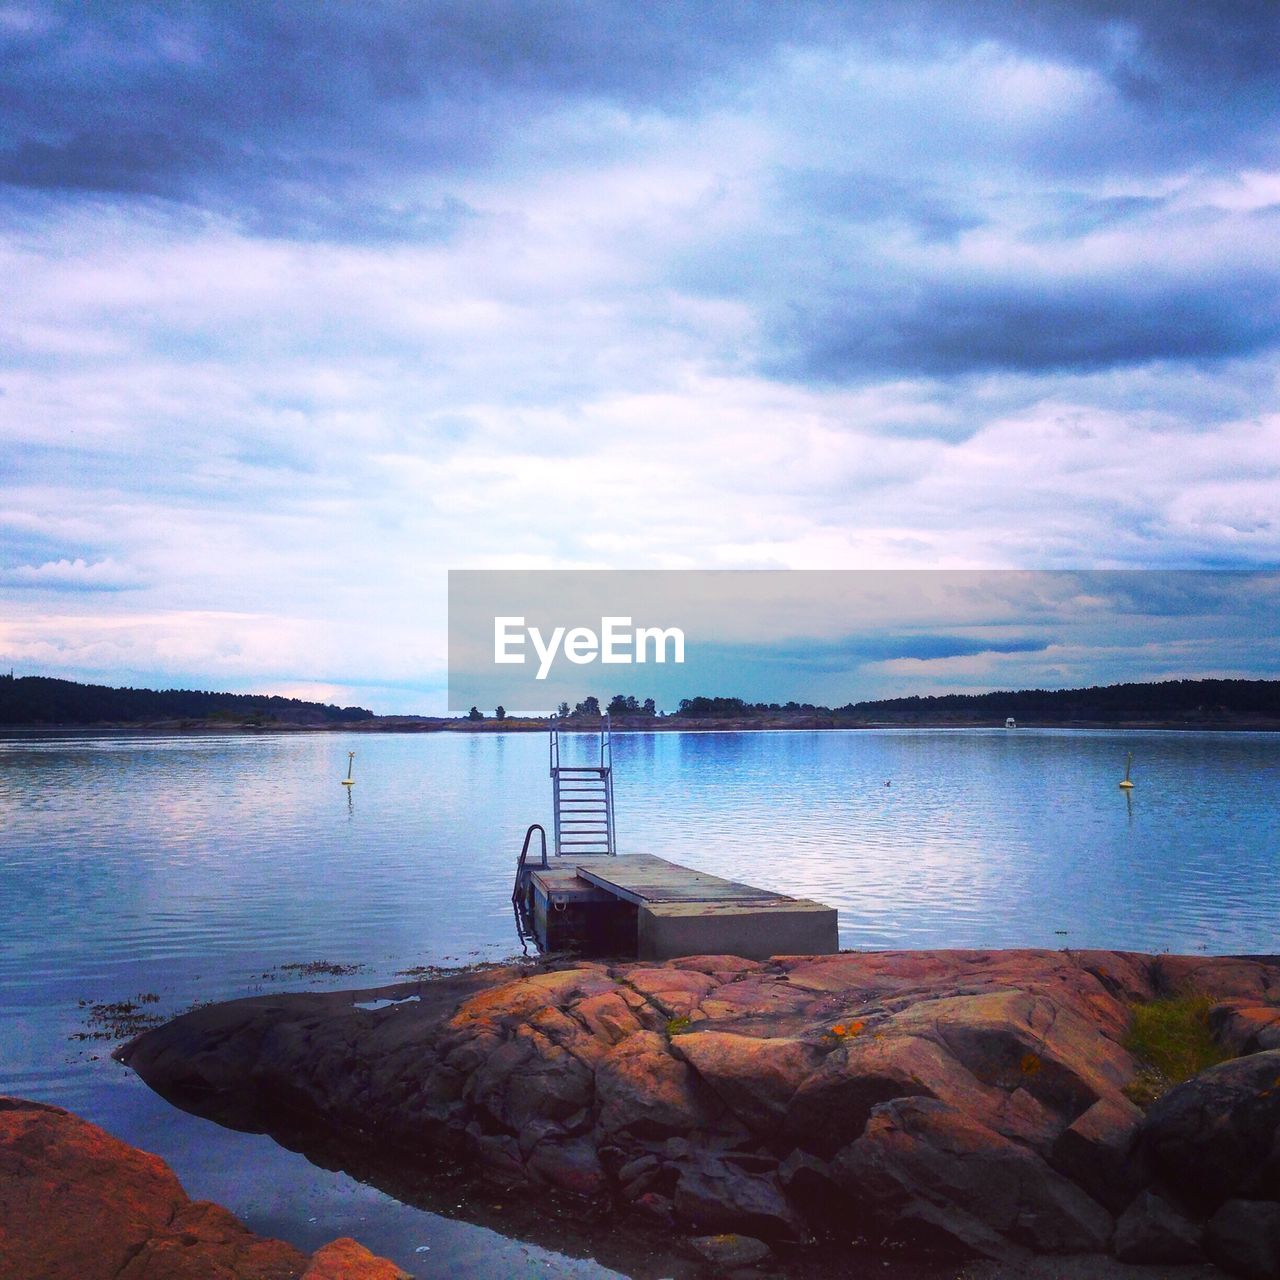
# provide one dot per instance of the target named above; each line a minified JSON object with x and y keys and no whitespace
{"x":118,"y":1019}
{"x":313,"y":969}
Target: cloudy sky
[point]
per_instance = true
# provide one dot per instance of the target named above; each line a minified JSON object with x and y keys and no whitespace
{"x":305,"y":304}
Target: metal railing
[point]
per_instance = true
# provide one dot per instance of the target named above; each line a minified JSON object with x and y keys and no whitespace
{"x":582,"y":798}
{"x":521,"y":895}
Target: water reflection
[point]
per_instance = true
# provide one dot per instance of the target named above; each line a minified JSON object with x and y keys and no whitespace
{"x":194,"y":867}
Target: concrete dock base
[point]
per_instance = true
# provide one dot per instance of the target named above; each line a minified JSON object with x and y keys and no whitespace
{"x":753,"y":930}
{"x":640,"y":905}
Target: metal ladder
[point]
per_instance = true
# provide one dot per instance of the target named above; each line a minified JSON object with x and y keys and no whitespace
{"x":583,"y":799}
{"x":522,"y":893}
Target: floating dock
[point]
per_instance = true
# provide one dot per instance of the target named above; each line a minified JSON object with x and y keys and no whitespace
{"x":589,"y":898}
{"x":636,"y":904}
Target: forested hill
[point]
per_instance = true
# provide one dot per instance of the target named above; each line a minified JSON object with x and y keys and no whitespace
{"x":1169,"y":702}
{"x":40,"y":700}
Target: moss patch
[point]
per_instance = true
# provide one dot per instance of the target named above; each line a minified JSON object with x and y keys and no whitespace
{"x":1172,"y":1040}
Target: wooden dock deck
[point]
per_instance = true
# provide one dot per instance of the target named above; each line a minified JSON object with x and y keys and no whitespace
{"x":646,"y":906}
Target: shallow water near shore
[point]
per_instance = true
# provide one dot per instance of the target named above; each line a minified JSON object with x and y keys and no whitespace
{"x":204,"y":867}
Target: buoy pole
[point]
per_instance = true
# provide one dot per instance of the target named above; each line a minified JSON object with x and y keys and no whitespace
{"x":349,"y":781}
{"x":1126,"y":785}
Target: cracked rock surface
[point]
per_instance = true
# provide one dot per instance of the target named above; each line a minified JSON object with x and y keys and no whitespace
{"x":968,"y":1099}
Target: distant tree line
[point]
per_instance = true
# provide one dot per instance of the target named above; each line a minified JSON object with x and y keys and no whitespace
{"x":702,"y":708}
{"x":31,"y":700}
{"x":621,"y":704}
{"x":1166,"y":702}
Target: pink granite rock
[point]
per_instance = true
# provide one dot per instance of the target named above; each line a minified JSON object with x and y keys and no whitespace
{"x":756,"y":1077}
{"x":345,"y":1259}
{"x":78,"y":1204}
{"x":920,"y":1162}
{"x":642,"y":1090}
{"x":909,"y":1081}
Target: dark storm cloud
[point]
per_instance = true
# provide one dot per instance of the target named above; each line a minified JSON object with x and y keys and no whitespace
{"x":352,"y":123}
{"x":828,"y":656}
{"x":1215,"y":60}
{"x":1210,"y":593}
{"x":217,"y":99}
{"x":225,"y":101}
{"x":943,"y":329}
{"x":140,"y":162}
{"x":1175,"y":48}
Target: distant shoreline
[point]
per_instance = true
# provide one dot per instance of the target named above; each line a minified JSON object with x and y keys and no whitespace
{"x":669,"y":724}
{"x":50,"y":704}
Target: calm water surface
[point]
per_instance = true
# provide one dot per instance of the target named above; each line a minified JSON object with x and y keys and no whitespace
{"x":195,"y":867}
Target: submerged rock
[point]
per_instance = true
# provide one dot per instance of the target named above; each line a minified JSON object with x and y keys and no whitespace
{"x":730,"y":1252}
{"x":78,"y":1204}
{"x":966,"y":1097}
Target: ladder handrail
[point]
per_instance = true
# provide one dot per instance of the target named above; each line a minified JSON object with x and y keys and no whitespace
{"x":582,"y":789}
{"x":521,"y":897}
{"x":611,"y":835}
{"x":524,"y":853}
{"x":606,"y":767}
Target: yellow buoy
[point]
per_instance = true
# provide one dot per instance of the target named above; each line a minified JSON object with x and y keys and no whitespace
{"x":1126,"y":785}
{"x":349,"y":781}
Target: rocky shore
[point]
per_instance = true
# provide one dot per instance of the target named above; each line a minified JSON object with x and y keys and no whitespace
{"x":977,"y":1103}
{"x":78,"y":1204}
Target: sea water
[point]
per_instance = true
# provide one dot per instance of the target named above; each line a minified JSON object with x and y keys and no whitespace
{"x":201,"y":867}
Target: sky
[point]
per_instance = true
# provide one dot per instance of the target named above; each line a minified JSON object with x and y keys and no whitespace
{"x":303,"y":305}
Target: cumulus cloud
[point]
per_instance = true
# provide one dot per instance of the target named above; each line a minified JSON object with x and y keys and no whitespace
{"x":305,"y":309}
{"x":71,"y":575}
